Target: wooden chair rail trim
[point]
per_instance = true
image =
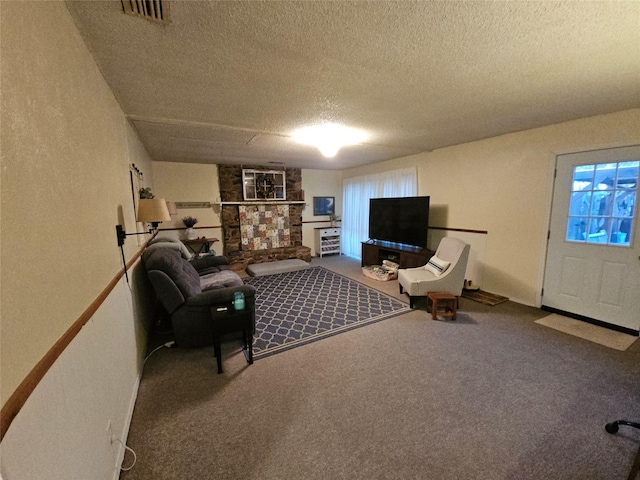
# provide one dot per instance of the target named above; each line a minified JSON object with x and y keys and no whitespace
{"x":465,"y":230}
{"x":20,"y":396}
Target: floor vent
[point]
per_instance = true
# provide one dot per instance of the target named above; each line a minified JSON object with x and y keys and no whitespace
{"x":153,"y":10}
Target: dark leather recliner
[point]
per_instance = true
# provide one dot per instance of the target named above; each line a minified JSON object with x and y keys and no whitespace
{"x":188,"y":290}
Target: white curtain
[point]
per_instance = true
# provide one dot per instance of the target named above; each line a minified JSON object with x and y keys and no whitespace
{"x":355,"y":203}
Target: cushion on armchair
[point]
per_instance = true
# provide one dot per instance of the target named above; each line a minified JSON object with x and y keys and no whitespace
{"x":210,"y":264}
{"x":181,"y":272}
{"x":171,"y":241}
{"x":437,"y":266}
{"x":220,"y":279}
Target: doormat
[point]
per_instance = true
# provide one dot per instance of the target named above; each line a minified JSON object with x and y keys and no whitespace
{"x":587,"y":331}
{"x":484,"y":297}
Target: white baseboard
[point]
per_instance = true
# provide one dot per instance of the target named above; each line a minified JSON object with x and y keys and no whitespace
{"x":125,"y":432}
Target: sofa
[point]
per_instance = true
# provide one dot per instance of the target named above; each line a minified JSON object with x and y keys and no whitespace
{"x":187,"y":289}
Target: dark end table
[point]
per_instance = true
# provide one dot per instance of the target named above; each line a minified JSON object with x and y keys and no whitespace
{"x":203,"y":244}
{"x":224,"y":319}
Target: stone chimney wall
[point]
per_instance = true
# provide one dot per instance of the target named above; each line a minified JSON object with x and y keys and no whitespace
{"x":230,"y":178}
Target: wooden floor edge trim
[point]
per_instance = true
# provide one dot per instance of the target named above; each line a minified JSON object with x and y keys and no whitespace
{"x":20,"y":396}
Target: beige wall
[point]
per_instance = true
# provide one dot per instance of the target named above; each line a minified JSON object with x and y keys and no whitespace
{"x":319,"y":183}
{"x":190,"y":182}
{"x":66,"y":150}
{"x":503,"y":185}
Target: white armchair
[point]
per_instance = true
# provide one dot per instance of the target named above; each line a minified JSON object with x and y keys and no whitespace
{"x":419,"y":281}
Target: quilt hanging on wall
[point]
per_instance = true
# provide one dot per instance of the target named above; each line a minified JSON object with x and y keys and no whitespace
{"x":264,"y":226}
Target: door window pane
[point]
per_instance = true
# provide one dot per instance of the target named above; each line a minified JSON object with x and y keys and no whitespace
{"x":580,"y":203}
{"x":603,"y":202}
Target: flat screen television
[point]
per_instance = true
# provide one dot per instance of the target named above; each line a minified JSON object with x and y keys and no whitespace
{"x":399,"y":220}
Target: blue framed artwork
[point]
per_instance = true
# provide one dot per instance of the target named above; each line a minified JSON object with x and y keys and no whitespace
{"x":324,"y":205}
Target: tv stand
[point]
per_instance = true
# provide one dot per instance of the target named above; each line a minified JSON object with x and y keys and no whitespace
{"x":375,"y":251}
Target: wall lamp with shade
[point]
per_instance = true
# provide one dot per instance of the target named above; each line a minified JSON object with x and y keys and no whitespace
{"x":150,"y":210}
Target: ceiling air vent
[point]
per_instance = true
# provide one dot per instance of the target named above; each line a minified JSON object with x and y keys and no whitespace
{"x":153,"y":10}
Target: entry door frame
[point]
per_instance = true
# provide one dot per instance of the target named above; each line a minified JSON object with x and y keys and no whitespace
{"x":551,"y":177}
{"x":553,"y":165}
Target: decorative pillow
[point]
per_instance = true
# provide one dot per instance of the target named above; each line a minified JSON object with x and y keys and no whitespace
{"x":437,"y":266}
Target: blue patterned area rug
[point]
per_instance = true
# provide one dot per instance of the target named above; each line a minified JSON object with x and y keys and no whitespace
{"x":296,"y":308}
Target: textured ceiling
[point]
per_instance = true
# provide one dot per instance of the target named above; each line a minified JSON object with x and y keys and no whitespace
{"x":228,"y":81}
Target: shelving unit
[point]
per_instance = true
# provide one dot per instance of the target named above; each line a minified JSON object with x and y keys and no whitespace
{"x":327,"y":241}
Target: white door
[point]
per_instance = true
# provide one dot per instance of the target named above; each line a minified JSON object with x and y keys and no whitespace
{"x":593,"y":254}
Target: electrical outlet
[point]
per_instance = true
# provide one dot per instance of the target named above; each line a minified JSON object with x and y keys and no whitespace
{"x":110,"y":433}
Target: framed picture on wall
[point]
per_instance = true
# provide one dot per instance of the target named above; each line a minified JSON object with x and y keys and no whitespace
{"x":264,"y":185}
{"x":324,"y":205}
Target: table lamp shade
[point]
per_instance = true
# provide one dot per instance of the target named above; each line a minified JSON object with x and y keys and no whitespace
{"x":152,"y":210}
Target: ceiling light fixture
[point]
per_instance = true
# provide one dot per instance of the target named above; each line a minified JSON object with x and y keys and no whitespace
{"x":329,"y":137}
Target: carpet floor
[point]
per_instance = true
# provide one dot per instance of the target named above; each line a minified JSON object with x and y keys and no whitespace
{"x":492,"y":395}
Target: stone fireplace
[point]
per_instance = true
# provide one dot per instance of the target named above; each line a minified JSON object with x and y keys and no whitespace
{"x":231,"y":188}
